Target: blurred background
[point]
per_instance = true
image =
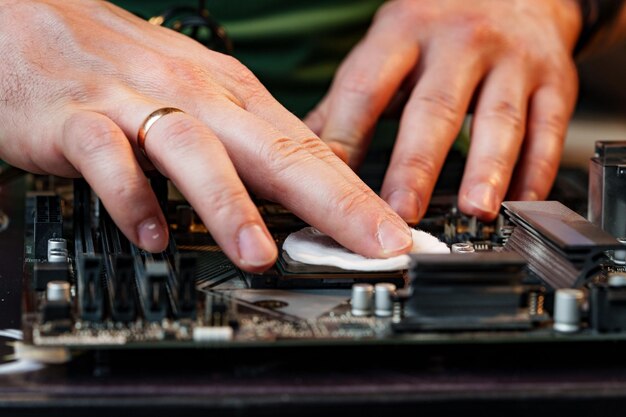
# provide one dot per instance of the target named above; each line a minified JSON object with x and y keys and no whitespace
{"x":601,"y":110}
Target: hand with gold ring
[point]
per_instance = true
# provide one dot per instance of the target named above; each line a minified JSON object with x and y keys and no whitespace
{"x":78,"y":89}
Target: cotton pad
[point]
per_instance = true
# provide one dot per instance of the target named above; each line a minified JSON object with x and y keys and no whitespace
{"x":310,"y":246}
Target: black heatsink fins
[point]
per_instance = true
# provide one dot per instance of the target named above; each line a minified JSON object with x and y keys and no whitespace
{"x":562,"y":248}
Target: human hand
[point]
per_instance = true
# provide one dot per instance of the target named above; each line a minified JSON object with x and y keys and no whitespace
{"x":77,"y":80}
{"x":514,"y":57}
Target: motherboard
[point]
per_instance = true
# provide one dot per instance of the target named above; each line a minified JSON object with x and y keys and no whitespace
{"x":541,"y":272}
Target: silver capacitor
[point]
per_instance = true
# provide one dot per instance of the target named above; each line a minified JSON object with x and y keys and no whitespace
{"x":58,"y":291}
{"x":462,"y":247}
{"x":567,"y":305}
{"x":383,"y":299}
{"x":617,"y":279}
{"x":57,"y":256}
{"x":362,"y":299}
{"x":57,"y":250}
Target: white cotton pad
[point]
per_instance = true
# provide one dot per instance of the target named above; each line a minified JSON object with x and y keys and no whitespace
{"x":311,"y":246}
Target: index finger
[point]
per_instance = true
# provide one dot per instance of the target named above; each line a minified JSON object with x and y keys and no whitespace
{"x":299,"y":175}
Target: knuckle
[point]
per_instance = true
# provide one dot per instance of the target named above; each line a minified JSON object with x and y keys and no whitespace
{"x":247,"y":85}
{"x":224,"y":201}
{"x":185,"y":72}
{"x":126,"y":189}
{"x":317,"y":148}
{"x":91,"y":136}
{"x":417,"y":162}
{"x":563,"y":74}
{"x":439,"y":104}
{"x":497,"y":164}
{"x":553,"y":123}
{"x":543,"y":169}
{"x":350,"y":201}
{"x":283,"y":153}
{"x":184,"y":78}
{"x":525,"y":55}
{"x":233,"y":64}
{"x":508,"y":112}
{"x":478,"y":30}
{"x":357,"y":82}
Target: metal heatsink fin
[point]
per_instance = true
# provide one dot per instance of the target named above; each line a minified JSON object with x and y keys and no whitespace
{"x":561,"y":247}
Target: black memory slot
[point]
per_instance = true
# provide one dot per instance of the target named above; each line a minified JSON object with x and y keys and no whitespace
{"x":119,"y":271}
{"x":88,"y":262}
{"x":151,"y":278}
{"x":184,"y":285}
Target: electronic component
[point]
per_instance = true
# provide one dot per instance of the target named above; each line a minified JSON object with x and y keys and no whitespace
{"x":107,"y":293}
{"x":607,"y":187}
{"x":47,"y":218}
{"x":57,"y":304}
{"x":383,"y":299}
{"x":58,"y":291}
{"x":561,"y":247}
{"x":567,"y":305}
{"x":44,"y":272}
{"x":57,"y":250}
{"x":288,"y":273}
{"x":466,"y":291}
{"x":362,"y":300}
{"x":607,"y":304}
{"x":462,"y":247}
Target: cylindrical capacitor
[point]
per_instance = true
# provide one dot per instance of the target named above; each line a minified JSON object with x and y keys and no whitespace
{"x":57,"y":256}
{"x":462,"y":247}
{"x":57,"y":250}
{"x":57,"y":243}
{"x":383,"y":302}
{"x":58,"y":291}
{"x":617,"y":279}
{"x":567,"y":304}
{"x":362,"y":299}
{"x":619,"y":256}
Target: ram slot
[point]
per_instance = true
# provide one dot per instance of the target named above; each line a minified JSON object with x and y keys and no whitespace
{"x":88,"y":263}
{"x":119,"y":270}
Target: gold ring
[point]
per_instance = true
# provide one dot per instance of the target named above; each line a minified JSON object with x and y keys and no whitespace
{"x":150,"y":120}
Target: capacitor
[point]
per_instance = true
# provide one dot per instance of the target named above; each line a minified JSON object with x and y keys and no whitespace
{"x":619,"y":256}
{"x":462,"y":247}
{"x":567,"y":304}
{"x":383,"y":303}
{"x":362,"y":299}
{"x":57,"y":250}
{"x":617,"y":279}
{"x":57,"y":243}
{"x":57,"y":256}
{"x":58,"y":291}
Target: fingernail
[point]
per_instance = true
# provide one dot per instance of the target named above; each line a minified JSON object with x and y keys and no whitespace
{"x":392,"y":238}
{"x":406,"y":204}
{"x":152,"y":235}
{"x":255,"y":248}
{"x":483,"y":197}
{"x":529,"y":196}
